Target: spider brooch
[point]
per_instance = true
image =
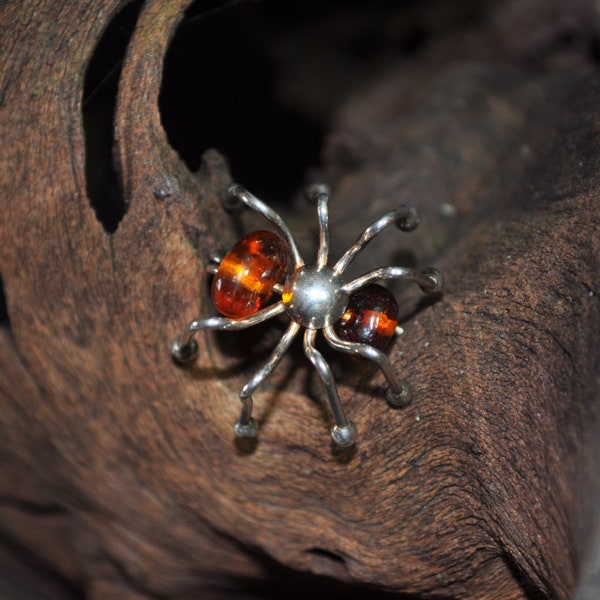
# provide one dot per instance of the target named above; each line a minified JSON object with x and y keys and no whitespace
{"x":357,"y":317}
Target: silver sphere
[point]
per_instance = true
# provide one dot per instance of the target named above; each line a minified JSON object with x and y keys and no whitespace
{"x":246,"y":430}
{"x":344,"y":435}
{"x":314,"y":297}
{"x":315,"y":190}
{"x":184,"y":353}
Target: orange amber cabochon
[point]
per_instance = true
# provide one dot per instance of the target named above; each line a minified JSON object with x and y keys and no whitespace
{"x":244,"y":281}
{"x":370,"y":318}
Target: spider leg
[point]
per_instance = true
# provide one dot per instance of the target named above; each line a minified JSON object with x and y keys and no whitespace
{"x":185,"y":348}
{"x":237,"y":194}
{"x":430,"y":280}
{"x":405,"y":217}
{"x":319,"y":193}
{"x":397,"y":392}
{"x":215,"y":261}
{"x":246,"y":425}
{"x":343,"y":432}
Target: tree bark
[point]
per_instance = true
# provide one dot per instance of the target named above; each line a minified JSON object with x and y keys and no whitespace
{"x":119,"y":471}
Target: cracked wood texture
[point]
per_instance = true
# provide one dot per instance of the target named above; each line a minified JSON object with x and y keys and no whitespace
{"x":119,"y":473}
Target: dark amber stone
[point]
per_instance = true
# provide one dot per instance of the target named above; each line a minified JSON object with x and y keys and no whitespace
{"x":370,"y":318}
{"x":244,"y":281}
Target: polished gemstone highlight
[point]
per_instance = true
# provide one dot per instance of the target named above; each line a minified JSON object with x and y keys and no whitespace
{"x":370,"y":318}
{"x":246,"y":276}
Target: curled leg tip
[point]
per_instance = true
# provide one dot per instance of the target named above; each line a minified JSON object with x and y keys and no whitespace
{"x":408,"y":218}
{"x":401,"y":398}
{"x":344,"y":435}
{"x":231,"y":200}
{"x":437,"y":281}
{"x":184,"y":354}
{"x":315,"y":190}
{"x":246,"y":430}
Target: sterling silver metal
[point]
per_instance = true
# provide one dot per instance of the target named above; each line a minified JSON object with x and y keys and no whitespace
{"x":314,"y":297}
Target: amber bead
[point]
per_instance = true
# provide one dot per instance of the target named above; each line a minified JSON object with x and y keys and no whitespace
{"x":244,"y":281}
{"x":370,"y":318}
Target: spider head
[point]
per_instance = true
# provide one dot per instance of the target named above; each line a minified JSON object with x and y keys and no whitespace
{"x":313,"y":297}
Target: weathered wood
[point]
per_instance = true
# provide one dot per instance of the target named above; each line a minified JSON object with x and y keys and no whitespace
{"x":120,"y":471}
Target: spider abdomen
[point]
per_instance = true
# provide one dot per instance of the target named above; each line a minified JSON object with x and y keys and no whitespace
{"x":246,"y":276}
{"x":370,"y":318}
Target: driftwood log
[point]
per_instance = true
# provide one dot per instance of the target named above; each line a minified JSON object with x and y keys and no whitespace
{"x":119,"y":473}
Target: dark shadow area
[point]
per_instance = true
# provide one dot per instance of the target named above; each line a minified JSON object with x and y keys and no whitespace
{"x":4,"y":318}
{"x":220,"y":91}
{"x":98,"y":112}
{"x":30,"y":578}
{"x":260,"y":81}
{"x":283,"y":582}
{"x":529,"y":589}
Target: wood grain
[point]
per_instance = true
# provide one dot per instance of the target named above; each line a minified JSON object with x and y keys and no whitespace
{"x":119,"y":470}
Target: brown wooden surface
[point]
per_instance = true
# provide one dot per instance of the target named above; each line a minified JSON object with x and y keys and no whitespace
{"x":119,"y":472}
